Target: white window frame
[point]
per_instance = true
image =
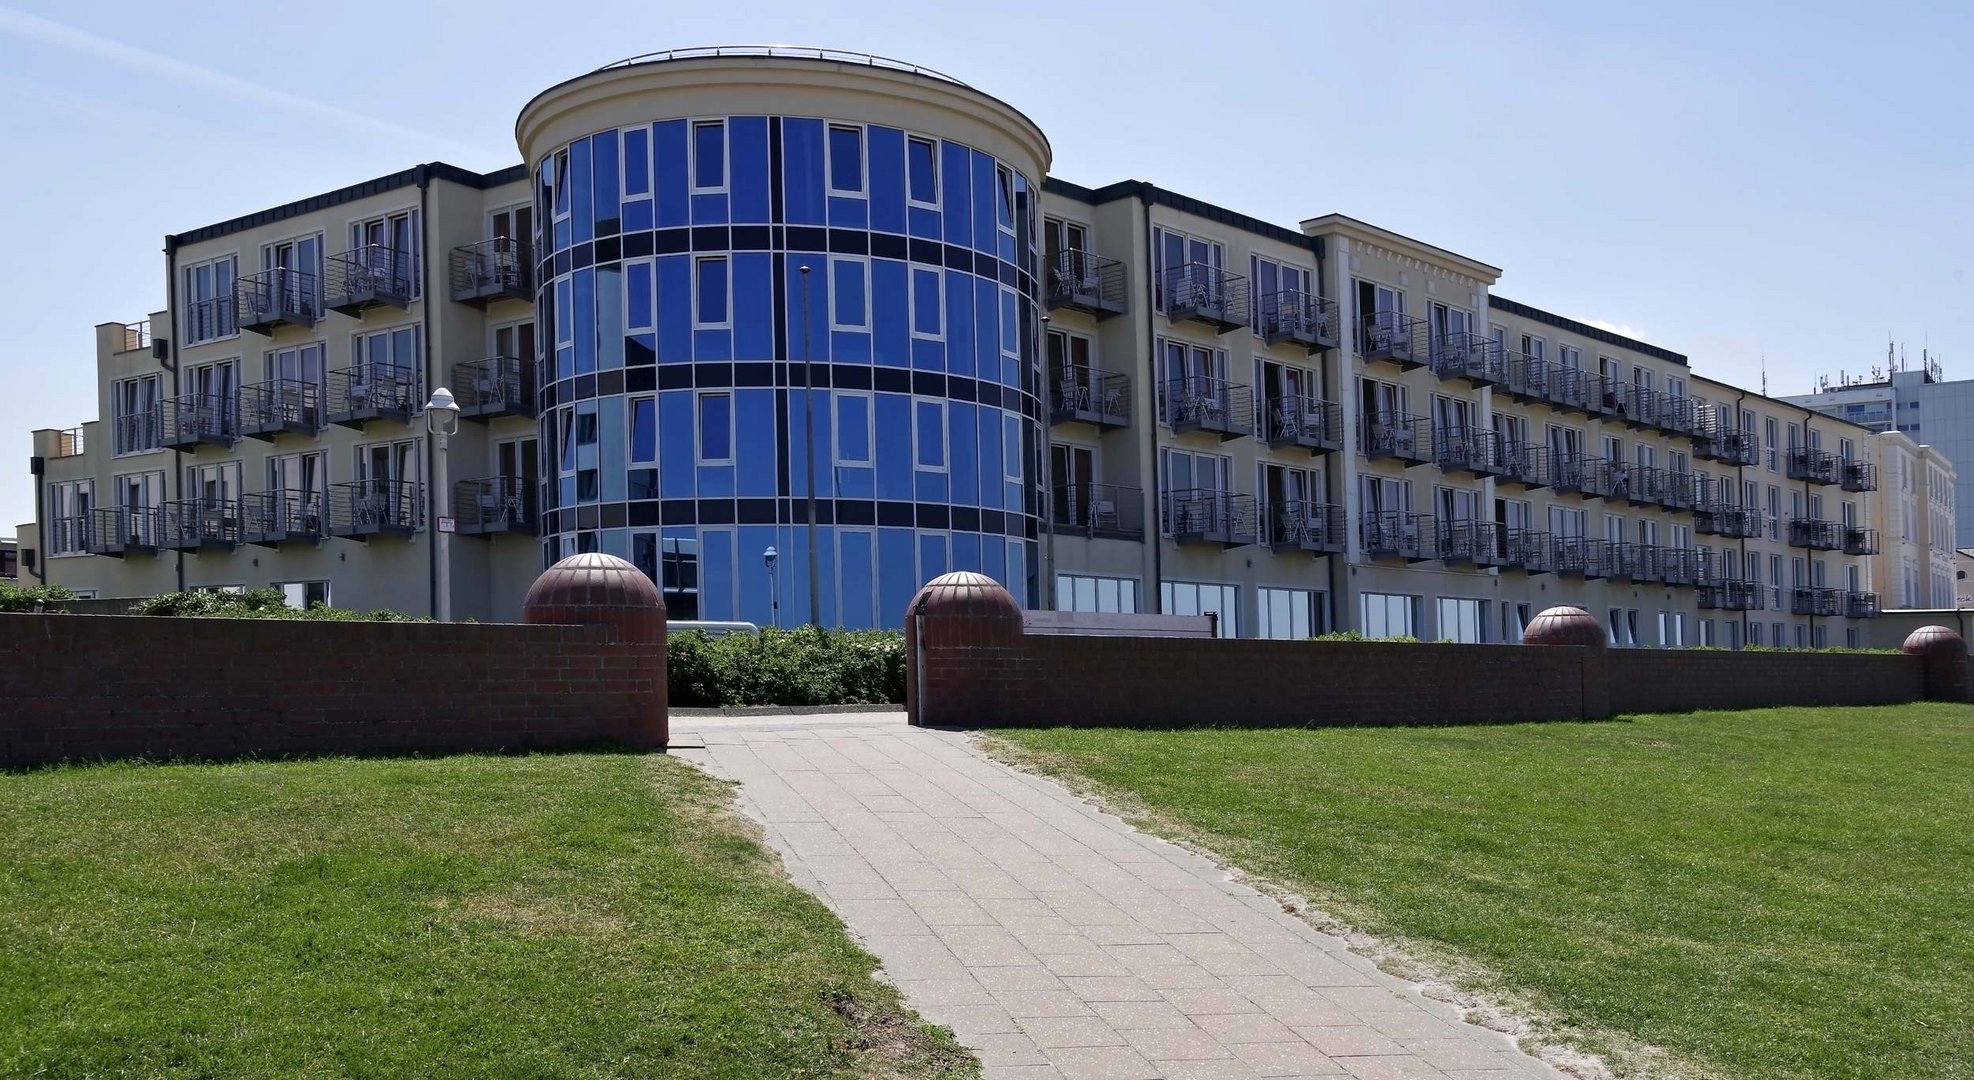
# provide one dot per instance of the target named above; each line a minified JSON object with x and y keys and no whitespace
{"x":414,"y":229}
{"x":1226,"y":595}
{"x":1066,"y":585}
{"x":286,"y":598}
{"x":188,"y":272}
{"x":838,"y":457}
{"x":120,"y":420}
{"x":837,"y":264}
{"x":938,"y":186}
{"x":863,"y":160}
{"x":1312,"y":610}
{"x":699,"y":426}
{"x":939,"y":301}
{"x":945,"y":436}
{"x":726,"y":156}
{"x":726,"y":262}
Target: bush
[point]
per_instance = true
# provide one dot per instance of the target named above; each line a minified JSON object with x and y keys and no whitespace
{"x":254,"y":604}
{"x":808,"y":666}
{"x":1352,"y":635}
{"x":25,"y":597}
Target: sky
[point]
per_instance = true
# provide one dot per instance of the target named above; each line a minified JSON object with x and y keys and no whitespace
{"x":1778,"y":186}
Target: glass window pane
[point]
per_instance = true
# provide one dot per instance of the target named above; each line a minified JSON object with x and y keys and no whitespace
{"x":846,"y":158}
{"x":853,"y":429}
{"x":644,"y":430}
{"x":924,"y":168}
{"x":709,"y":154}
{"x":712,"y":291}
{"x":849,"y":293}
{"x":925,"y":302}
{"x":715,"y":427}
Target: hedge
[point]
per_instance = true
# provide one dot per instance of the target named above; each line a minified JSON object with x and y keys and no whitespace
{"x":24,"y":598}
{"x":807,"y":666}
{"x":255,"y":604}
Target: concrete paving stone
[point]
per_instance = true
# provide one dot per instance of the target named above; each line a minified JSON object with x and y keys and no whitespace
{"x":1021,"y":977}
{"x":1110,"y":988}
{"x":1013,"y":1048}
{"x":1306,"y":1010}
{"x":1177,"y":1043}
{"x":1181,"y":977}
{"x":1050,"y":1032}
{"x":1259,"y":986}
{"x":1407,"y":1024}
{"x":1045,"y":945}
{"x":1136,"y":957}
{"x":1103,"y":1063}
{"x":1006,"y":908}
{"x":1227,"y":1069}
{"x":1397,"y":1067}
{"x":1200,"y":1002}
{"x":963,"y":991}
{"x":1114,"y":928}
{"x":1246,"y":1027}
{"x":1486,"y":1074}
{"x":971,"y":1021}
{"x":1142,"y":1014}
{"x":1099,"y":963}
{"x":1242,"y":965}
{"x":1363,"y":999}
{"x":985,"y":946}
{"x":1200,"y":944}
{"x":1349,"y":1040}
{"x":1295,"y":1058}
{"x":1026,"y":1003}
{"x":1456,"y":1053}
{"x":1030,"y":927}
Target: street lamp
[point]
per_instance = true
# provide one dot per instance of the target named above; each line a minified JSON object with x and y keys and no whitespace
{"x":442,"y":420}
{"x":774,"y":584}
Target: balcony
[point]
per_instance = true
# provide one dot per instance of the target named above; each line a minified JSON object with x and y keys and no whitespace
{"x":1860,"y":541}
{"x":268,"y":301}
{"x":1526,"y":464}
{"x":1473,"y":358}
{"x":279,"y":407}
{"x":1397,"y":437}
{"x":212,"y":318}
{"x":1573,"y":389}
{"x":1529,"y":551}
{"x":1198,"y":403}
{"x":371,"y":392}
{"x":1306,"y":526}
{"x":202,"y":525}
{"x":1465,"y":542}
{"x":1860,"y":476}
{"x":1731,"y":594}
{"x":1806,"y":600}
{"x":494,"y":504}
{"x":1298,"y":318}
{"x":1614,"y":399}
{"x":1528,"y":377}
{"x":497,"y":269}
{"x":1639,"y":485}
{"x":1624,"y":561}
{"x":1100,"y":510}
{"x":495,"y":386}
{"x":122,"y":530}
{"x":1733,"y":447}
{"x":1465,"y":451}
{"x":273,"y":518}
{"x":1395,"y":535}
{"x":1736,"y":523}
{"x":370,"y":276}
{"x":1815,"y":466}
{"x":1081,"y":281}
{"x":1580,"y":556}
{"x":1683,"y":566}
{"x":1860,"y":605}
{"x":1388,"y":335}
{"x":1308,"y":422}
{"x":1199,"y":292}
{"x":195,"y":420}
{"x":361,"y":509}
{"x":1207,"y":516}
{"x":1593,"y":478}
{"x":1815,"y":534}
{"x":1677,"y":490}
{"x":1679,"y":415}
{"x":1091,"y":396}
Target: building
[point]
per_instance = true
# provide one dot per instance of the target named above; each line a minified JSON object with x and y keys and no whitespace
{"x":10,"y":553}
{"x":1116,"y":398}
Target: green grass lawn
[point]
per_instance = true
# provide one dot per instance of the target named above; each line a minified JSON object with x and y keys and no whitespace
{"x":577,"y":915}
{"x":1773,"y":894}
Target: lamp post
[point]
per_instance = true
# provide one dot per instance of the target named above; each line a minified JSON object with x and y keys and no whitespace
{"x":442,"y":420}
{"x":809,"y":458}
{"x":769,"y":557}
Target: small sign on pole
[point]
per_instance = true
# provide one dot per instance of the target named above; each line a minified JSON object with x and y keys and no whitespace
{"x":447,"y":524}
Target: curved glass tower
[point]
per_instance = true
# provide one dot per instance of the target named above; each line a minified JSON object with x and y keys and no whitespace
{"x":766,"y":277}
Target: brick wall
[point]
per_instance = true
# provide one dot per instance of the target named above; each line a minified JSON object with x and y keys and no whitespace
{"x":1647,"y":680}
{"x":80,"y":687}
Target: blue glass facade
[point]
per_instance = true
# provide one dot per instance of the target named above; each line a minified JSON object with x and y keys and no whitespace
{"x":676,"y":320}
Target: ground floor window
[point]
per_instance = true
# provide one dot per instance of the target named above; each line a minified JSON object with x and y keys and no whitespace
{"x":1707,"y":632}
{"x":1460,"y":620}
{"x":1820,"y":637}
{"x":1388,"y":615}
{"x":1290,"y":614}
{"x":1850,"y":637}
{"x":303,"y":594}
{"x":1105,"y":595}
{"x":1754,"y":633}
{"x":1514,"y":619}
{"x":1195,"y":598}
{"x":1802,"y":636}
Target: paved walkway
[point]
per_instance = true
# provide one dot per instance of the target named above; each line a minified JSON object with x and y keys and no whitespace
{"x":1057,"y":941}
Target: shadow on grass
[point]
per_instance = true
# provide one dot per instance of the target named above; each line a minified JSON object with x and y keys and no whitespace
{"x":595,"y":747}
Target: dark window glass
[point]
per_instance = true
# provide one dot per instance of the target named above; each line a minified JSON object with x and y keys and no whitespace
{"x":853,"y":429}
{"x":644,"y":430}
{"x":931,"y":435}
{"x":846,"y":158}
{"x":637,"y":161}
{"x":850,"y":293}
{"x":925,"y":301}
{"x":924,"y":168}
{"x":709,"y":154}
{"x":585,"y":428}
{"x":586,"y":485}
{"x":715,"y":427}
{"x":712,"y":291}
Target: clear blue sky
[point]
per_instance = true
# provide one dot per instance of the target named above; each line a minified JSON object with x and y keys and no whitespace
{"x":1733,"y":181}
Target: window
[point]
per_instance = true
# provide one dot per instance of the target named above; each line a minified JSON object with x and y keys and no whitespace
{"x":637,"y":163}
{"x":300,"y":484}
{"x":927,"y":310}
{"x":1004,"y":199}
{"x":1187,"y":268}
{"x":1770,"y":432}
{"x":1754,"y":633}
{"x":709,"y":156}
{"x":853,"y":429}
{"x":1011,"y":465}
{"x":849,"y":294}
{"x":1288,"y":614}
{"x":929,"y":434}
{"x":209,"y":300}
{"x":1105,"y":595}
{"x":716,"y":428}
{"x":710,"y":283}
{"x":303,"y":594}
{"x":1460,"y":620}
{"x":135,"y":405}
{"x":387,"y":248}
{"x":1388,"y":615}
{"x":922,"y":167}
{"x":846,"y":159}
{"x":68,"y":520}
{"x":1193,"y":598}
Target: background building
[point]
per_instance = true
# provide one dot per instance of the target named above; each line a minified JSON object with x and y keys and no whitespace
{"x":728,"y":286}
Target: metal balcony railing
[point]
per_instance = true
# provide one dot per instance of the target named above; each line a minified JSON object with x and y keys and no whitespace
{"x":1682,"y":566}
{"x":69,"y":442}
{"x":1624,"y":561}
{"x":1741,"y":523}
{"x":1110,"y":510}
{"x":1570,"y":474}
{"x":1397,"y":436}
{"x":1526,"y":464}
{"x":1204,"y":515}
{"x":1680,"y":491}
{"x":1647,"y":407}
{"x":1574,"y":389}
{"x":1203,"y":293}
{"x":72,"y":535}
{"x":1815,"y":466}
{"x":1813,"y":600}
{"x":1732,"y":594}
{"x":1475,"y":358}
{"x":494,"y":504}
{"x":1091,"y":396}
{"x":275,"y":298}
{"x":373,"y":391}
{"x":495,"y":386}
{"x":1728,"y":444}
{"x":1302,"y":525}
{"x":1388,"y":335}
{"x":1528,"y":377}
{"x":271,"y":518}
{"x":1580,"y":556}
{"x":198,"y":524}
{"x":1083,"y":281}
{"x":1604,"y":478}
{"x":1642,"y":484}
{"x":1679,"y":415}
{"x":1860,"y":476}
{"x":118,"y":531}
{"x":1529,"y":550}
{"x":365,"y":508}
{"x":211,"y":318}
{"x":1860,"y":541}
{"x":502,"y":268}
{"x":136,"y":432}
{"x":1816,"y":534}
{"x":1468,"y":450}
{"x":370,"y":276}
{"x":280,"y":407}
{"x":201,"y":419}
{"x":136,"y":335}
{"x":1303,"y":421}
{"x":1614,"y":399}
{"x":1299,"y":318}
{"x":1198,"y":403}
{"x":1396,"y":534}
{"x":1465,"y":542}
{"x":1860,"y":605}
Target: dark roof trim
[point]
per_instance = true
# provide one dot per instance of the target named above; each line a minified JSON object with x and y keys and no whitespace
{"x":1152,"y":193}
{"x":437,"y":170}
{"x":1583,"y":329}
